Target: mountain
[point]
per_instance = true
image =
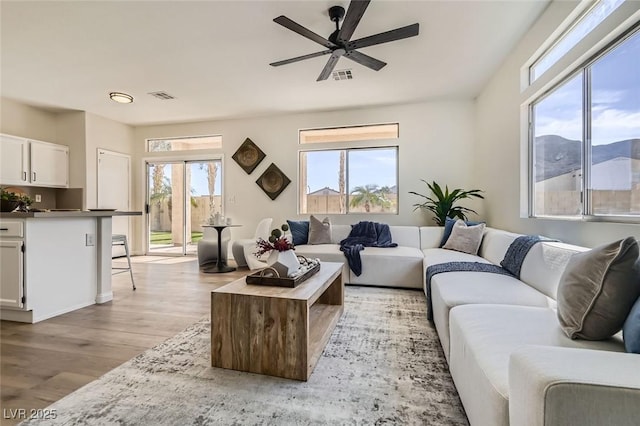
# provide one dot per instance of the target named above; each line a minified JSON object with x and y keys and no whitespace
{"x":556,"y":155}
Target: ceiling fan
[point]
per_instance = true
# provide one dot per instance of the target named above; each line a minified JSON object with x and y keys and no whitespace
{"x":339,"y":42}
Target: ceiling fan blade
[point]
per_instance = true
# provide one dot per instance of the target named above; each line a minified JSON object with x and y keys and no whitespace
{"x":297,"y":28}
{"x":354,"y":14}
{"x":393,"y":35}
{"x":331,"y":64}
{"x":365,"y":60}
{"x":300,"y":58}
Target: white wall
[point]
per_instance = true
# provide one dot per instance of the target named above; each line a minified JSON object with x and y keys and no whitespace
{"x":71,"y":130}
{"x":437,"y":142}
{"x":26,"y":121}
{"x":497,"y":165}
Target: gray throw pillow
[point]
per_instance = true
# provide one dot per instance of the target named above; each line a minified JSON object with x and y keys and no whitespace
{"x":597,"y":290}
{"x":465,"y":238}
{"x":319,"y":232}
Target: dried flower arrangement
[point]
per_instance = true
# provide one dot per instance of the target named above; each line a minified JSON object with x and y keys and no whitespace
{"x":277,"y":241}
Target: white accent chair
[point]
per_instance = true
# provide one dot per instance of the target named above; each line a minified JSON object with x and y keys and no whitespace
{"x":208,"y":246}
{"x":243,"y":250}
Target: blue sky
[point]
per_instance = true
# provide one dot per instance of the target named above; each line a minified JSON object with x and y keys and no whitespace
{"x":615,"y":100}
{"x":366,"y":166}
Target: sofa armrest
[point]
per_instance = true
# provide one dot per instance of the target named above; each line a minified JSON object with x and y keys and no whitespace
{"x":561,"y":386}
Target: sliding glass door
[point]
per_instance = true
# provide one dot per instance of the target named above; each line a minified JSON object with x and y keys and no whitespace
{"x":182,"y":196}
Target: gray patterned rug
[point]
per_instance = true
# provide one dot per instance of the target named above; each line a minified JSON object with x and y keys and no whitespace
{"x":383,"y":365}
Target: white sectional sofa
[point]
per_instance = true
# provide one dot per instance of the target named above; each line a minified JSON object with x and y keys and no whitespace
{"x":400,"y":266}
{"x":510,"y":360}
{"x":508,"y":356}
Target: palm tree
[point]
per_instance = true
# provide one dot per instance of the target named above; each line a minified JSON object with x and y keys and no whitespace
{"x":368,"y":195}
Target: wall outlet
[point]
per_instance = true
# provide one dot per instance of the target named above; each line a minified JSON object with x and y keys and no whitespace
{"x":90,"y":240}
{"x":38,"y":198}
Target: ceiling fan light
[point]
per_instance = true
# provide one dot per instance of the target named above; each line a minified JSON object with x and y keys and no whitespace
{"x":122,"y":98}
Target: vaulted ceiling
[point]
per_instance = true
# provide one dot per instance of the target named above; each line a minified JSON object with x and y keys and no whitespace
{"x":213,"y":56}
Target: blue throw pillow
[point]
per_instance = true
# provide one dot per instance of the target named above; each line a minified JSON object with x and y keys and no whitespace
{"x":631,"y":330}
{"x":299,"y":231}
{"x":448,"y":227}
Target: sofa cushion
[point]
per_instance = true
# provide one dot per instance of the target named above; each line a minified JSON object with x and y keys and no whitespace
{"x":482,"y":340}
{"x":324,"y":252}
{"x":299,"y":231}
{"x":544,"y":264}
{"x":433,"y":256}
{"x":495,"y":244}
{"x":448,"y":227}
{"x":598,"y":289}
{"x":407,"y":236}
{"x":430,"y":236}
{"x":319,"y":232}
{"x":394,"y":267}
{"x":465,"y":238}
{"x":631,"y":329}
{"x":462,"y":288}
{"x":339,"y":233}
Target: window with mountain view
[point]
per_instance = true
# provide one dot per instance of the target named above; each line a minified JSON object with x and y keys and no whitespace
{"x":606,"y":134}
{"x":355,"y":180}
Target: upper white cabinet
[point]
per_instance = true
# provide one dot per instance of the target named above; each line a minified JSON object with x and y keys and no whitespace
{"x":33,"y":163}
{"x":14,"y":160}
{"x":49,"y":164}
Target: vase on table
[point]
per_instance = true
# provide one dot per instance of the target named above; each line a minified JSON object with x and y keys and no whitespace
{"x":284,"y":262}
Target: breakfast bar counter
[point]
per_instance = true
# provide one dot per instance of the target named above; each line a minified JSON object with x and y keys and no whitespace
{"x":54,"y":262}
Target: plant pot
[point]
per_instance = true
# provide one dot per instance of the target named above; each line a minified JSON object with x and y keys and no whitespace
{"x":284,"y":262}
{"x":8,"y":205}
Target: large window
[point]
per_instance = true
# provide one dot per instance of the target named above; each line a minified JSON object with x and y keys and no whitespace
{"x":354,"y":180}
{"x":586,"y":138}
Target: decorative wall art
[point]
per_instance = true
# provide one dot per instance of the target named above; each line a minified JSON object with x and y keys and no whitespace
{"x":248,"y":156}
{"x":273,"y":181}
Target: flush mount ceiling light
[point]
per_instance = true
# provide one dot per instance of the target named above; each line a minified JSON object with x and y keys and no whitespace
{"x":122,"y":98}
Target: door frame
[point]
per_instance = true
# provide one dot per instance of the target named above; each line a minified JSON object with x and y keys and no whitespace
{"x":168,"y":157}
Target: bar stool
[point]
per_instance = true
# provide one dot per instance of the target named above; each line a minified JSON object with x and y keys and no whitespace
{"x":121,"y":240}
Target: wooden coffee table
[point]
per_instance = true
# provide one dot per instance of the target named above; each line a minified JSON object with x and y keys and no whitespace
{"x":276,"y":331}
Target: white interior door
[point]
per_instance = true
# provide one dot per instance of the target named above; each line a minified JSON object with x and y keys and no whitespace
{"x":114,"y":186}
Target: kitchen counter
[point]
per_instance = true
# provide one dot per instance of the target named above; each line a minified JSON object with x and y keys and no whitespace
{"x":54,"y":262}
{"x":82,"y":213}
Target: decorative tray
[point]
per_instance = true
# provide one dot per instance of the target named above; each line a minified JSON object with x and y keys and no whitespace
{"x":261,"y":278}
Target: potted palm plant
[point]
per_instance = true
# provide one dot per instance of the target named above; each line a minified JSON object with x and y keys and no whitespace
{"x":443,"y":203}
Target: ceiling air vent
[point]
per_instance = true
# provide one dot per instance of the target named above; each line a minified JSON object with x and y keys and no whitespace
{"x":342,"y":75}
{"x":164,"y":96}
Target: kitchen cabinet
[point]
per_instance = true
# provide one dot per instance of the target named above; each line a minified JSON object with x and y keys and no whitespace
{"x":33,"y":163}
{"x":11,"y":264}
{"x":49,"y":164}
{"x":14,"y":160}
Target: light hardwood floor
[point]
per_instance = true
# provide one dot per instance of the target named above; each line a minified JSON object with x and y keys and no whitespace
{"x":41,"y":363}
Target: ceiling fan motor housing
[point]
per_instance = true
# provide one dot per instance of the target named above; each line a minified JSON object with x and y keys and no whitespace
{"x":336,"y":13}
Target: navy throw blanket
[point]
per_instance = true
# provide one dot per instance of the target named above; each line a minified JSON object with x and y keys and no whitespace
{"x":457,"y":267}
{"x":364,"y":234}
{"x":517,"y":251}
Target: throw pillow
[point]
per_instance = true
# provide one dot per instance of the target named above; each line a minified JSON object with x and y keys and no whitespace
{"x":597,"y":290}
{"x":448,"y":226}
{"x":631,"y":330}
{"x":299,"y":231}
{"x":319,"y":232}
{"x":465,"y":238}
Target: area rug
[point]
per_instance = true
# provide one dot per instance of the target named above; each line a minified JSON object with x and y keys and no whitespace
{"x":382,"y":365}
